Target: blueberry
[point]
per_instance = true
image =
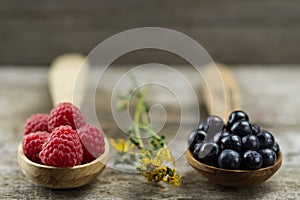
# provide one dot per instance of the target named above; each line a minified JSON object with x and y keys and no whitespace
{"x":252,"y":160}
{"x":215,"y":124}
{"x":255,"y":129}
{"x":196,"y":150}
{"x":191,"y":140}
{"x":229,"y":159}
{"x":235,"y":117}
{"x":203,"y":126}
{"x":266,"y":139}
{"x":241,"y":128}
{"x":219,"y":136}
{"x":232,"y":142}
{"x":200,"y":136}
{"x":191,"y":137}
{"x":250,"y":142}
{"x":276,"y":149}
{"x":214,"y":120}
{"x":268,"y":157}
{"x":208,"y":153}
{"x":195,"y":137}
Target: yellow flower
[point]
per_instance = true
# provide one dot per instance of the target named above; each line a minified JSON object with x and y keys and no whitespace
{"x":121,"y":146}
{"x":174,"y":178}
{"x":153,"y":169}
{"x":156,"y":175}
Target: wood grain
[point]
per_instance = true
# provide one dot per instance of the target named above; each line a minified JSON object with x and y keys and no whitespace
{"x":232,"y":31}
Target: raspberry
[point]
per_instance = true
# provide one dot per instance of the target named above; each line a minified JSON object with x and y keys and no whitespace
{"x":32,"y":145}
{"x":38,"y":122}
{"x":92,"y":141}
{"x":65,"y":114}
{"x":62,"y":149}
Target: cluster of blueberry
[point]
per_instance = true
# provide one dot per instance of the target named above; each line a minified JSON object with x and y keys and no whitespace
{"x":235,"y":145}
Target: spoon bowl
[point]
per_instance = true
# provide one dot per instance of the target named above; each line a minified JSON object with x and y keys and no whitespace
{"x":234,"y":178}
{"x":62,"y":178}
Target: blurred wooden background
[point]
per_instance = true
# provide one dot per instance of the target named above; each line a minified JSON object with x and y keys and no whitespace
{"x":232,"y":31}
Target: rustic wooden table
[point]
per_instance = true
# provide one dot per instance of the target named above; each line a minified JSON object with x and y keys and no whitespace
{"x":270,"y":95}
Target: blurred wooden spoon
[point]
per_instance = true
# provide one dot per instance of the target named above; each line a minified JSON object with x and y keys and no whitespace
{"x":220,"y":101}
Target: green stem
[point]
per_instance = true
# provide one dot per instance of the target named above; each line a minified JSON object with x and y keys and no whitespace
{"x":145,"y":117}
{"x":150,"y":130}
{"x":136,"y":121}
{"x":144,"y":113}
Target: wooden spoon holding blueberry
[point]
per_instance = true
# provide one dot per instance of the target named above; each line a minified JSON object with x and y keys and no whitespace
{"x":237,"y":153}
{"x":61,"y":150}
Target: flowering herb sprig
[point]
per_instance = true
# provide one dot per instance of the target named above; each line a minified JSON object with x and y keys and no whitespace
{"x":153,"y":158}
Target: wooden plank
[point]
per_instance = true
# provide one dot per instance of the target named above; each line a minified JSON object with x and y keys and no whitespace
{"x":268,"y":95}
{"x":204,"y":9}
{"x":232,"y":31}
{"x":34,"y":46}
{"x":262,"y":89}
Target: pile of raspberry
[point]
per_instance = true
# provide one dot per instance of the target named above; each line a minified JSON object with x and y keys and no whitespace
{"x":62,"y":139}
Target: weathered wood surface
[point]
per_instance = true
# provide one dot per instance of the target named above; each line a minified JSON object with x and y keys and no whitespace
{"x":270,"y":96}
{"x":35,"y":32}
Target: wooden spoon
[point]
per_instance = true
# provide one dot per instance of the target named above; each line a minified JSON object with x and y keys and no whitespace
{"x":234,"y":178}
{"x":220,"y":101}
{"x":231,"y":95}
{"x":63,"y":74}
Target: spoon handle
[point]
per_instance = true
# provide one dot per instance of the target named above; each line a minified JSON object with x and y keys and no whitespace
{"x":218,"y":100}
{"x":67,"y":79}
